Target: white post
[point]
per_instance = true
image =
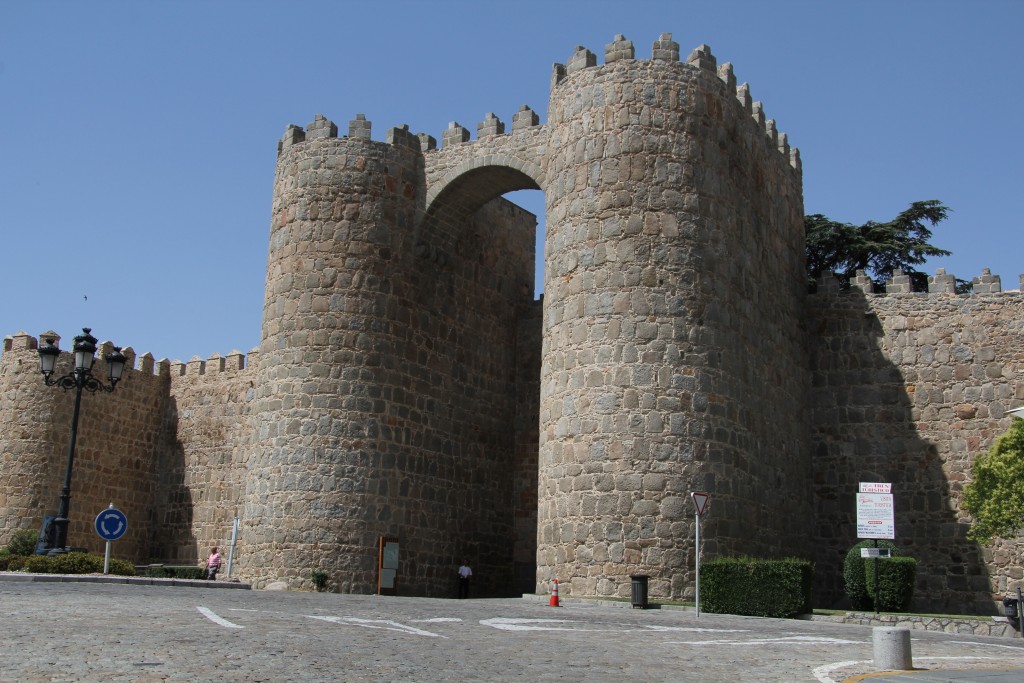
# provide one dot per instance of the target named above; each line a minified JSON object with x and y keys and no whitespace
{"x":696,"y":552}
{"x":231,"y":550}
{"x":892,"y":648}
{"x":106,"y":555}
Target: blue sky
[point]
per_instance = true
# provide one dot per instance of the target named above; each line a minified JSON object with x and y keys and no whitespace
{"x":137,"y":160}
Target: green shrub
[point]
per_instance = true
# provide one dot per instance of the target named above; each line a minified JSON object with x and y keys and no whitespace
{"x":37,"y":564}
{"x":319,"y":579}
{"x":73,"y":563}
{"x":158,"y":572}
{"x":23,"y":542}
{"x":195,"y":573}
{"x":854,"y":576}
{"x":16,"y":563}
{"x":762,"y":588}
{"x":121,"y":567}
{"x":896,"y":576}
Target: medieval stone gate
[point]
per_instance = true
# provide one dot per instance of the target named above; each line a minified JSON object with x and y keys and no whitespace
{"x":408,"y":385}
{"x":396,"y":355}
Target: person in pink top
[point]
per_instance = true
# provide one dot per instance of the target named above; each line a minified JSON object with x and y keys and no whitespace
{"x":213,"y":564}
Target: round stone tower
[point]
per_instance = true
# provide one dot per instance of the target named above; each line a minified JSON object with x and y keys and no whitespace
{"x":673,"y":359}
{"x":31,"y":441}
{"x":341,"y":210}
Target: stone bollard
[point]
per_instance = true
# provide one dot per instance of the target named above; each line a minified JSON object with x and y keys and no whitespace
{"x":892,"y":649}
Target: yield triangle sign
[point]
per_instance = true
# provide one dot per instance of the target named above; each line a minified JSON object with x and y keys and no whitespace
{"x":700,"y":501}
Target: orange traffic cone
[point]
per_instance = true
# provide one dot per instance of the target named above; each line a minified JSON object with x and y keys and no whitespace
{"x":554,"y":595}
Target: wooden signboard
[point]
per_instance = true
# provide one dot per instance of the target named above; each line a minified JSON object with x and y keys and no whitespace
{"x":387,"y":566}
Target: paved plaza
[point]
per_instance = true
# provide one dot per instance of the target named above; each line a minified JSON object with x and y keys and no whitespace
{"x":95,"y":632}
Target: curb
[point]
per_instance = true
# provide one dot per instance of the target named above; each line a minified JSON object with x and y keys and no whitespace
{"x":132,"y":580}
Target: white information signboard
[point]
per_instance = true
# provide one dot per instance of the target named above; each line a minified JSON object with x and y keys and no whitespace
{"x":875,"y":518}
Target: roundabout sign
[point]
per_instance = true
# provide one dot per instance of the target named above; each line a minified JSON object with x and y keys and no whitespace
{"x":111,"y":524}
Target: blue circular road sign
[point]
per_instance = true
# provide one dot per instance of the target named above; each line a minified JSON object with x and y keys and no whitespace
{"x":111,"y":524}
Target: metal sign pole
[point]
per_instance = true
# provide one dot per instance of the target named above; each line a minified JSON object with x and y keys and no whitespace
{"x":876,"y":579}
{"x":700,"y":503}
{"x":696,"y":552}
{"x":231,"y":549}
{"x":110,"y":525}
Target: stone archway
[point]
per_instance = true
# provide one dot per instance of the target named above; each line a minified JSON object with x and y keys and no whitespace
{"x":467,"y":226}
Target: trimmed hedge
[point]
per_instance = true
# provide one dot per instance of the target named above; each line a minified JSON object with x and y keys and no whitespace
{"x":896,"y":576}
{"x":855,"y":576}
{"x":11,"y":563}
{"x":760,"y":588}
{"x":70,"y":563}
{"x":197,"y":573}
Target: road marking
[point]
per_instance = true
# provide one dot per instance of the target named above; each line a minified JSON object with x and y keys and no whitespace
{"x":437,"y":620}
{"x":692,"y":629}
{"x":220,"y":621}
{"x":511,"y":624}
{"x":788,"y":640}
{"x":380,"y":624}
{"x":972,"y":642}
{"x":507,"y":624}
{"x":822,"y":672}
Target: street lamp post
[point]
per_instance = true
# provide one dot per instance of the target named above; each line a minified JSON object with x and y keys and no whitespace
{"x":79,"y":379}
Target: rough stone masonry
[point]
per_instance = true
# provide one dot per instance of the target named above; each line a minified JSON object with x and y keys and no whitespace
{"x":408,"y":385}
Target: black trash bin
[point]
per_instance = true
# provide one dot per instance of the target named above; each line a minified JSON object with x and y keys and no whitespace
{"x":639,"y":590}
{"x":1010,"y":608}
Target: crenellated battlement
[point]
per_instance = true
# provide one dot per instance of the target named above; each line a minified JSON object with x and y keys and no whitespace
{"x":234,"y":362}
{"x":145,"y":364}
{"x":667,"y":50}
{"x":941,"y":283}
{"x":619,"y":50}
{"x":400,"y":136}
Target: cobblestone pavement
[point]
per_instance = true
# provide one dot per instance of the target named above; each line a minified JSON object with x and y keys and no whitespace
{"x":95,"y":632}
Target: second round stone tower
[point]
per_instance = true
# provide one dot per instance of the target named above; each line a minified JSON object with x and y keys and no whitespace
{"x":673,"y":357}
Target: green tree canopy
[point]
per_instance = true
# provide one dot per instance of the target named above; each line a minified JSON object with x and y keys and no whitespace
{"x":875,"y":248}
{"x":995,"y":497}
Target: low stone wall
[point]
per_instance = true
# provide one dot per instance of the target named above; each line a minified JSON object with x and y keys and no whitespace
{"x":999,"y":627}
{"x":981,"y":626}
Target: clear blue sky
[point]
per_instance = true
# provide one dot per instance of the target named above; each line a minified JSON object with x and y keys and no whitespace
{"x":139,"y":138}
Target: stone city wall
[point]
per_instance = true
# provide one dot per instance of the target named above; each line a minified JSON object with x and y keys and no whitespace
{"x":165,"y":447}
{"x":910,"y":388}
{"x":202,"y":462}
{"x":119,"y":436}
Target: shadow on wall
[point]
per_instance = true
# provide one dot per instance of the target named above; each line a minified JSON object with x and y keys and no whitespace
{"x":882,"y":380}
{"x":173,"y":540}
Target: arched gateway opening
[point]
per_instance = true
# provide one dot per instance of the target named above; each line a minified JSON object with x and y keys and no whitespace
{"x":483,"y":250}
